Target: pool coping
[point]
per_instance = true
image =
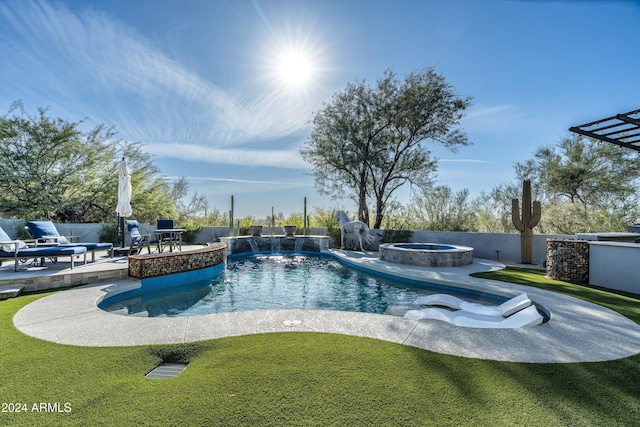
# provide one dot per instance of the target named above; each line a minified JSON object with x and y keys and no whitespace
{"x":578,"y":331}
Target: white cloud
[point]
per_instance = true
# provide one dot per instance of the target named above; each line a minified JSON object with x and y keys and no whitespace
{"x":275,"y":158}
{"x":233,"y":180}
{"x":485,"y":112}
{"x":463,"y":161}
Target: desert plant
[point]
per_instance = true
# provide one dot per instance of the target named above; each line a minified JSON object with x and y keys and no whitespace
{"x":192,"y":227}
{"x":109,"y":233}
{"x":525,"y":223}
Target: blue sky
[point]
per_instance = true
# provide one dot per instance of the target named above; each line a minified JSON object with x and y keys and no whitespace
{"x":214,"y":90}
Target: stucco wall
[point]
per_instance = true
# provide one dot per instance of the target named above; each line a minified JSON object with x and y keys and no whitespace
{"x":615,"y":265}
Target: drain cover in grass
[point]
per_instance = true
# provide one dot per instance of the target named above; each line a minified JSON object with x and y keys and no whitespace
{"x":166,"y":370}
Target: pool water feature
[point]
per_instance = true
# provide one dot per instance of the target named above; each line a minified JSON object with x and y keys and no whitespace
{"x":268,"y":282}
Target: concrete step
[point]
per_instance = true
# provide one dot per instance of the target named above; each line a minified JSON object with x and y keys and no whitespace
{"x":6,"y":293}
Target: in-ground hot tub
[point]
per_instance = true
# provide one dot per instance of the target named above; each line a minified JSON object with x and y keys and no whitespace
{"x":426,"y":254}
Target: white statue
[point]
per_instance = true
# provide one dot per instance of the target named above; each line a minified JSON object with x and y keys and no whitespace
{"x":358,"y":227}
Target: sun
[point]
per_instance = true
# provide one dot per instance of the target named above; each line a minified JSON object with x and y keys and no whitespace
{"x":292,"y":62}
{"x":294,"y":69}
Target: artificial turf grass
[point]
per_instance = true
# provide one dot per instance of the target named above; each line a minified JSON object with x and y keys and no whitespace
{"x":307,"y":379}
{"x":625,"y":303}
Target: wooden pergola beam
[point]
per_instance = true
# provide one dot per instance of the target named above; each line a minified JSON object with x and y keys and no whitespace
{"x":628,"y":134}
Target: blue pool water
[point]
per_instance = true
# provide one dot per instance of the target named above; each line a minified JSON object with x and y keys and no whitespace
{"x":423,"y":246}
{"x":280,"y":283}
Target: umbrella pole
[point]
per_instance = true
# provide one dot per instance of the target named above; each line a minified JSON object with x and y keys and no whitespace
{"x":121,"y":229}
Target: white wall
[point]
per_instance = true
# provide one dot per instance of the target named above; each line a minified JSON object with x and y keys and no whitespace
{"x":615,"y":265}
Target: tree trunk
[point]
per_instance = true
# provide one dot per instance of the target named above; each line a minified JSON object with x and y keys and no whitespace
{"x":379,"y":214}
{"x":363,"y":210}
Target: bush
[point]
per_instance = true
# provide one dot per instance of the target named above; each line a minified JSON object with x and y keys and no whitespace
{"x":396,"y":236}
{"x":109,"y":233}
{"x":192,"y":227}
{"x":21,"y":233}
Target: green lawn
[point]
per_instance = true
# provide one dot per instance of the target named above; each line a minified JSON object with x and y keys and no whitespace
{"x":312,"y":379}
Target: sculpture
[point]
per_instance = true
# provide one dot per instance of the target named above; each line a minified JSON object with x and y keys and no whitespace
{"x":359,"y":228}
{"x":530,"y":218}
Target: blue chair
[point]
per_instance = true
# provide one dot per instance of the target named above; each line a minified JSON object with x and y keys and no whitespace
{"x":138,"y":240}
{"x":19,"y":251}
{"x":47,"y":234}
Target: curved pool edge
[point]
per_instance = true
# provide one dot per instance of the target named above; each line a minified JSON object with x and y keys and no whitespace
{"x":447,"y":276}
{"x":579,"y":331}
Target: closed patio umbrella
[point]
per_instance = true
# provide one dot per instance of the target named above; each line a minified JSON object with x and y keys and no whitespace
{"x":124,"y":197}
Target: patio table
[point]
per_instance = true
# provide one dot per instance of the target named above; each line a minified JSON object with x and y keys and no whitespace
{"x":170,"y":234}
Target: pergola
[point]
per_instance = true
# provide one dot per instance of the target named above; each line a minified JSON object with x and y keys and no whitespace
{"x":621,"y":129}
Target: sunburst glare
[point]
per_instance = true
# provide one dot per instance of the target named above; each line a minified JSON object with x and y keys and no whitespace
{"x":294,"y":68}
{"x":294,"y":62}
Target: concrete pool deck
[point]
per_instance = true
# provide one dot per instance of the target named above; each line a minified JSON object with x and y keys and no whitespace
{"x":577,"y":332}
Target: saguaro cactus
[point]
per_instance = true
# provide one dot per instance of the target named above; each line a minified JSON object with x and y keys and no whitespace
{"x":530,"y":218}
{"x":231,"y":229}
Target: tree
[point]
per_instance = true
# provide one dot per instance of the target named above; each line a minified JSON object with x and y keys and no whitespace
{"x":592,"y":182}
{"x":442,"y":209}
{"x":197,"y":206}
{"x":53,"y":170}
{"x":492,"y":211}
{"x":368,"y":140}
{"x":584,"y":171}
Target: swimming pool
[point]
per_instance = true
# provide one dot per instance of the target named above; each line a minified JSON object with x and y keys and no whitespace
{"x":280,"y":282}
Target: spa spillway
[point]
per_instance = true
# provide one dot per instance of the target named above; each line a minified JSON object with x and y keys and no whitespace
{"x":426,"y":254}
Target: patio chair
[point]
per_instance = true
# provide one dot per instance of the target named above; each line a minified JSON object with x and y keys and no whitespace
{"x":505,"y":309}
{"x":523,"y":318}
{"x":46,"y":234}
{"x":138,"y":240}
{"x":20,"y":251}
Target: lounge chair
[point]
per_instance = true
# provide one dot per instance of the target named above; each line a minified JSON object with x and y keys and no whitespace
{"x":47,"y":233}
{"x":138,"y":240}
{"x":18,"y":250}
{"x":505,"y":309}
{"x":523,"y":318}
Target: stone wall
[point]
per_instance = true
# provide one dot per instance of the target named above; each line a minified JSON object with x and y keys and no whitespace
{"x":161,"y":264}
{"x":568,"y":260}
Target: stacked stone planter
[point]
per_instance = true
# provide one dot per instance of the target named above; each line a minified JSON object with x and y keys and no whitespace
{"x":162,"y":264}
{"x":568,"y":260}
